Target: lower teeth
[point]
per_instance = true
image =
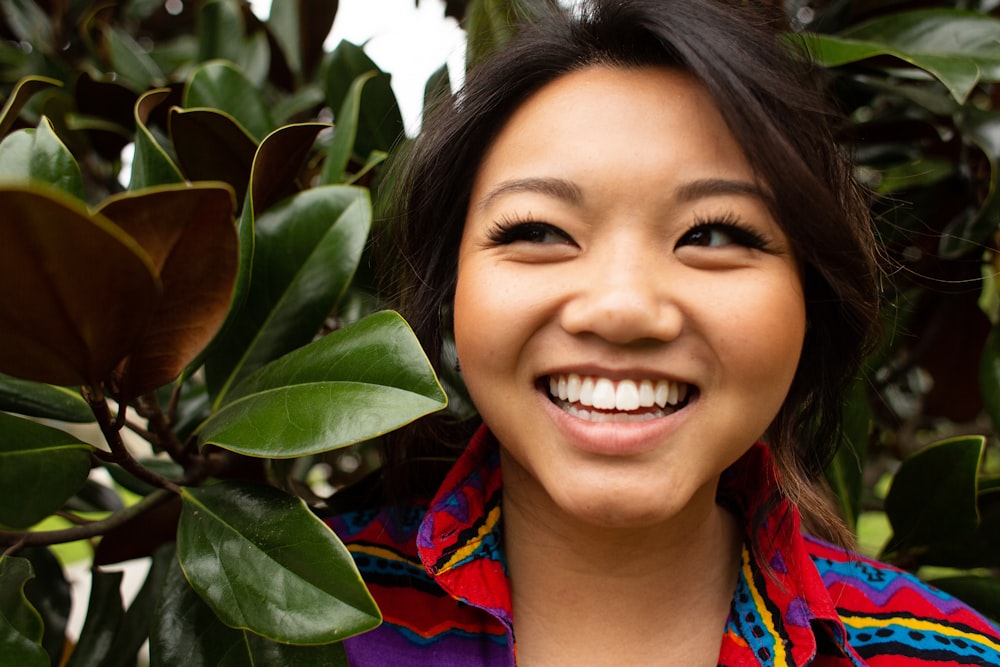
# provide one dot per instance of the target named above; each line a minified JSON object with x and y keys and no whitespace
{"x":598,"y":416}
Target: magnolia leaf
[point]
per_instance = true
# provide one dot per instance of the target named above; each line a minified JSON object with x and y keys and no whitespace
{"x":39,"y":155}
{"x":189,"y":233}
{"x":51,"y":594}
{"x":989,"y":376}
{"x":933,"y":494}
{"x":40,"y":468}
{"x":959,"y":48}
{"x":354,"y":384}
{"x":221,"y":85}
{"x":220,"y":30}
{"x":981,"y":592}
{"x":380,"y":123}
{"x":264,"y":562}
{"x":130,"y":61}
{"x":20,"y":625}
{"x":23,"y":91}
{"x":345,"y":133}
{"x":76,"y":291}
{"x":185,"y":631}
{"x":105,"y":614}
{"x":971,"y":233}
{"x":306,"y":251}
{"x":150,"y":163}
{"x":35,"y":399}
{"x":211,"y":146}
{"x":301,"y":28}
{"x":845,"y":472}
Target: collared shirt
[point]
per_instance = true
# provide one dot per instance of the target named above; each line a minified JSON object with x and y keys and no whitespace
{"x":439,"y":577}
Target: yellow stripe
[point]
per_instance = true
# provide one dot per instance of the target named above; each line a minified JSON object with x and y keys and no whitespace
{"x":473,"y":544}
{"x":919,"y":624}
{"x":378,"y":552}
{"x":780,"y":657}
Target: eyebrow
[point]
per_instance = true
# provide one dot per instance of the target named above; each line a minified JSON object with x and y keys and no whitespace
{"x":569,"y":192}
{"x":553,"y":187}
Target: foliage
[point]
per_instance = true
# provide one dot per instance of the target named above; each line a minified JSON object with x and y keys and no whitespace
{"x":211,"y":320}
{"x":218,"y":311}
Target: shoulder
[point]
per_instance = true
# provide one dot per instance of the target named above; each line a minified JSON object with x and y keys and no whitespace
{"x":892,"y":616}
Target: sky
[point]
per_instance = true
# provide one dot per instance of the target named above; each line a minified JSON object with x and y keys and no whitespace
{"x":409,"y":41}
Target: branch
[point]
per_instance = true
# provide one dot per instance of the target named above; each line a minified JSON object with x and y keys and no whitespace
{"x":159,"y":425}
{"x":111,"y":428}
{"x":27,"y":538}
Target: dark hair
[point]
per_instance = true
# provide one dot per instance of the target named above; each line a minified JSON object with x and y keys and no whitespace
{"x":769,"y":99}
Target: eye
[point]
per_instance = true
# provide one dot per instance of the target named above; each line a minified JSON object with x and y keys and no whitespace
{"x":722,"y":233}
{"x":506,"y":232}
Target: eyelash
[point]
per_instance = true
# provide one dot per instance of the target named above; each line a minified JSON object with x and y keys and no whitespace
{"x":741,"y":233}
{"x":508,"y":230}
{"x":511,"y":230}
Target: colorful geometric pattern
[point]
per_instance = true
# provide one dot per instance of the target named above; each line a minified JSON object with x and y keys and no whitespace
{"x":439,"y":576}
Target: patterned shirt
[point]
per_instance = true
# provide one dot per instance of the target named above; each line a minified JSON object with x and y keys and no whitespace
{"x":438,"y":574}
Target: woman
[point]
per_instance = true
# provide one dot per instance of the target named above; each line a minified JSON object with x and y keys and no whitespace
{"x":659,"y":277}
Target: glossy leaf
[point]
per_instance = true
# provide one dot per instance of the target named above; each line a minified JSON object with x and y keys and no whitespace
{"x":845,"y":472}
{"x":76,"y":292}
{"x":958,"y":48}
{"x":150,"y":163}
{"x":50,"y":594}
{"x":23,"y":91}
{"x":134,"y":629}
{"x":39,"y":155}
{"x":346,"y":132}
{"x":221,"y":85}
{"x":130,"y":60}
{"x":306,"y":251}
{"x":35,"y":399}
{"x":351,"y":385}
{"x":301,"y":27}
{"x":185,"y":631}
{"x":40,"y":468}
{"x":105,"y":614}
{"x":981,"y":548}
{"x":989,"y":376}
{"x":220,"y":30}
{"x":933,"y":494}
{"x":190,"y":235}
{"x":20,"y":624}
{"x":264,"y":562}
{"x":211,"y":146}
{"x":380,"y":123}
{"x":983,"y":129}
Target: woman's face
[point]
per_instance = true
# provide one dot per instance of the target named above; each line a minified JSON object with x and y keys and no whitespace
{"x":628,"y":314}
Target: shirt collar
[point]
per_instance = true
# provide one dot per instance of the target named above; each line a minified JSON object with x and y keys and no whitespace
{"x":780,"y":604}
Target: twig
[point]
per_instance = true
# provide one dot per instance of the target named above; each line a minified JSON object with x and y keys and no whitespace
{"x":27,"y":538}
{"x":119,"y":452}
{"x":159,"y":425}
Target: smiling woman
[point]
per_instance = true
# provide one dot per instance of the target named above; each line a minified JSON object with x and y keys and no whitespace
{"x":659,"y":276}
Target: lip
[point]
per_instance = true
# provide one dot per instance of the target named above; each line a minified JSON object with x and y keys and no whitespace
{"x":614,"y":439}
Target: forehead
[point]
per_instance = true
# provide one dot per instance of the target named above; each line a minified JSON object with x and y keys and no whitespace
{"x":611,"y":127}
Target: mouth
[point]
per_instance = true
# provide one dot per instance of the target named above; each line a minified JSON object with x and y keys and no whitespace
{"x":600,"y":399}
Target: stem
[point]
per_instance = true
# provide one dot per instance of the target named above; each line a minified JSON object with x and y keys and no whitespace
{"x":119,"y":452}
{"x":27,"y":538}
{"x":159,"y":426}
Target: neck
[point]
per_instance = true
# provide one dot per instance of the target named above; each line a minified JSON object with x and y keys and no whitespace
{"x":657,"y":588}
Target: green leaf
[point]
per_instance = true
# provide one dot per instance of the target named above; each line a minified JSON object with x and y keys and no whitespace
{"x":351,"y":385}
{"x":39,"y":155}
{"x":981,"y":548}
{"x":185,"y":631}
{"x":105,"y":614}
{"x":22,"y":92}
{"x":40,"y":468}
{"x":135,"y":626}
{"x":959,"y":48}
{"x":380,"y":123}
{"x":845,"y":472}
{"x":221,"y":85}
{"x":264,"y":562}
{"x":150,"y":163}
{"x":933,"y":494}
{"x":20,"y":625}
{"x":35,"y":399}
{"x":972,"y":232}
{"x":301,"y":27}
{"x":220,"y":30}
{"x":980,"y":592}
{"x":345,"y":133}
{"x":51,"y":595}
{"x":919,"y":173}
{"x":130,"y":61}
{"x":989,"y":376}
{"x":306,"y":251}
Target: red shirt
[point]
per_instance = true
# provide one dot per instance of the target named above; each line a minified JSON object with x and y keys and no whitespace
{"x":439,"y":577}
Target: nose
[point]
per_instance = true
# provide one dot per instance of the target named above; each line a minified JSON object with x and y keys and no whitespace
{"x":624,"y":297}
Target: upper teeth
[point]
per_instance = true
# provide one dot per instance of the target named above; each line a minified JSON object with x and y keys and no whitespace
{"x":622,"y":395}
